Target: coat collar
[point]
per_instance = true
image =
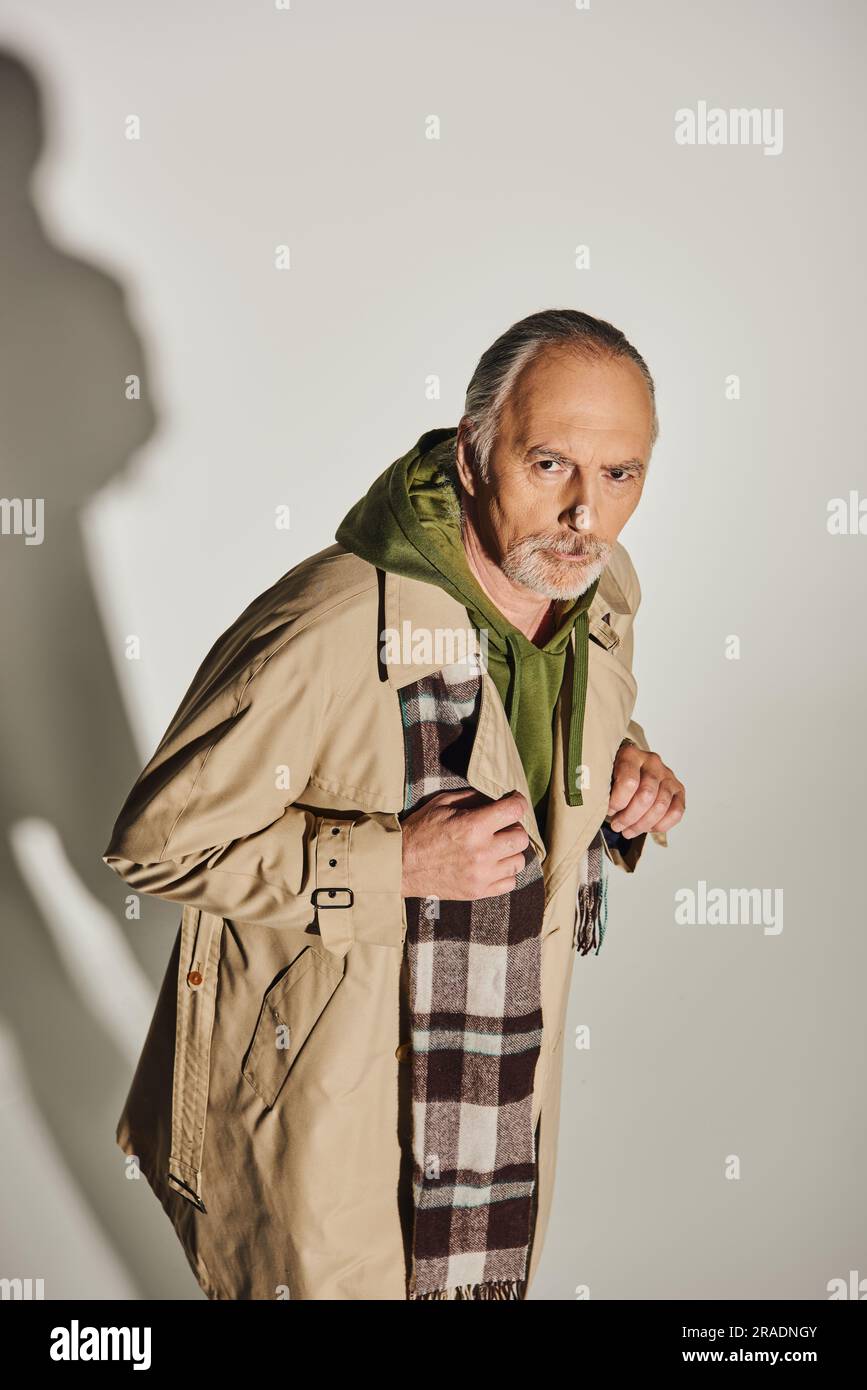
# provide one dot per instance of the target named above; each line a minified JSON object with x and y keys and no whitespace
{"x":426,"y":628}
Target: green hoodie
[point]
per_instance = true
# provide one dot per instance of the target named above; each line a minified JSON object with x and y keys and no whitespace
{"x":408,"y":523}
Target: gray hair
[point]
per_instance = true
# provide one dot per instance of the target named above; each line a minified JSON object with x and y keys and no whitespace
{"x":501,"y":364}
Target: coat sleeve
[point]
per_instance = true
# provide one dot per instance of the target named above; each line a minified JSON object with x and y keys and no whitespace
{"x":212,"y":822}
{"x":623,"y":852}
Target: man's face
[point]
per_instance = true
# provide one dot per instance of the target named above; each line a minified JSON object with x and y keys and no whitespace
{"x":565,"y":473}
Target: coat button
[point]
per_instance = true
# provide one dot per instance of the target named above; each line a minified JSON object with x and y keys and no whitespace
{"x":194,"y":978}
{"x":403,"y":1052}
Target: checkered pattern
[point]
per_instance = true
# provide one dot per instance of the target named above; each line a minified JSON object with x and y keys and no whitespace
{"x":476,"y":1029}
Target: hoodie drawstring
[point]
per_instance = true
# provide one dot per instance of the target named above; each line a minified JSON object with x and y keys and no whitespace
{"x":514,"y":683}
{"x":579,"y":697}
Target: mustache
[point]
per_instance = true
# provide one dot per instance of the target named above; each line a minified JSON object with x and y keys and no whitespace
{"x":589,"y":549}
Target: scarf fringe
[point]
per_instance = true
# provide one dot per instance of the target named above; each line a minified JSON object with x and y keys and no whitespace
{"x":496,"y":1288}
{"x":591,"y":915}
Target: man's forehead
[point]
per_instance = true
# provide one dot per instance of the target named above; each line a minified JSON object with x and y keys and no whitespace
{"x":549,"y":432}
{"x":561,"y":398}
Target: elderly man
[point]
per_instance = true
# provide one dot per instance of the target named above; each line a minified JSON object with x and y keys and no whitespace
{"x":385,"y":803}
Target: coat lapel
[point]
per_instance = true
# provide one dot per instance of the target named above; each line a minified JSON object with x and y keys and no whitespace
{"x":571,"y":828}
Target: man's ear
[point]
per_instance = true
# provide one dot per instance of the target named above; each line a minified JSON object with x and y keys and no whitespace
{"x":465,"y":461}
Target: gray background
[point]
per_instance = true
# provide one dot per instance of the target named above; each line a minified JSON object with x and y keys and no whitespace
{"x":266,"y":387}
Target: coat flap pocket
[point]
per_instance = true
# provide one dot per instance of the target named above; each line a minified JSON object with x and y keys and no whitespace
{"x":290,"y":1010}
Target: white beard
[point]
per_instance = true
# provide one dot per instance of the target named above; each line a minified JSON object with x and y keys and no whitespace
{"x":531,"y":565}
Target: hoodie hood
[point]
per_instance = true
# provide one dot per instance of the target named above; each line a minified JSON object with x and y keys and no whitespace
{"x":408,"y":523}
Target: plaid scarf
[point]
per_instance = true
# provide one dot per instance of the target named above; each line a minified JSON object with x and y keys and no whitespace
{"x":474,"y":986}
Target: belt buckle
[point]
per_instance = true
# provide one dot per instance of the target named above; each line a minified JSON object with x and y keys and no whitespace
{"x":331,"y":892}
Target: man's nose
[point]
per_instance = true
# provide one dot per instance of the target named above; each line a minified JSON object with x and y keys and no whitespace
{"x":580,"y":515}
{"x":581,"y":505}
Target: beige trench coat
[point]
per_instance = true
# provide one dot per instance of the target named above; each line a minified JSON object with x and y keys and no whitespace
{"x":264,"y":1109}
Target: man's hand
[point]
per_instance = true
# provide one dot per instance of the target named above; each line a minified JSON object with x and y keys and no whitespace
{"x":645,"y":794}
{"x":463,"y":845}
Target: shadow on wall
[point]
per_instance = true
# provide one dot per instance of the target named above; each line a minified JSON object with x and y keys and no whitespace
{"x":71,"y":962}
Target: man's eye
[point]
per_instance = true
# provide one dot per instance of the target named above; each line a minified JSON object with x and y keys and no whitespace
{"x":622,"y":471}
{"x":549,"y":465}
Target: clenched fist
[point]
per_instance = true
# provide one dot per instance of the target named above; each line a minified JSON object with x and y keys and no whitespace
{"x":463,"y":845}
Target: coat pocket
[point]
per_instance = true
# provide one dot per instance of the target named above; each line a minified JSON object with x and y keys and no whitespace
{"x":290,"y":1011}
